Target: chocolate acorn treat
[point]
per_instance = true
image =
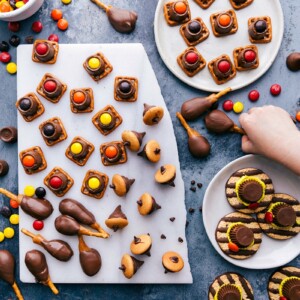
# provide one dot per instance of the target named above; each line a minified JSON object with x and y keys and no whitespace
{"x":126,"y":89}
{"x":284,"y":284}
{"x":218,"y":122}
{"x":172,"y":262}
{"x":33,"y":160}
{"x":146,"y":205}
{"x":260,"y":30}
{"x":132,"y":139}
{"x":4,"y":168}
{"x":177,"y":12}
{"x":130,"y":265}
{"x":30,"y":107}
{"x":36,"y":263}
{"x":117,"y":219}
{"x":121,"y":184}
{"x":59,"y":249}
{"x":141,"y":245}
{"x":239,"y":4}
{"x":151,"y":151}
{"x":246,"y":58}
{"x":90,"y":258}
{"x":281,"y":221}
{"x":249,"y":190}
{"x":230,"y":286}
{"x":238,"y":235}
{"x":224,"y":23}
{"x":7,"y":271}
{"x":152,"y":114}
{"x":222,"y":69}
{"x":82,"y":100}
{"x":80,"y":213}
{"x":94,"y":184}
{"x":113,"y":153}
{"x":39,"y":209}
{"x":51,"y":88}
{"x":198,"y":144}
{"x":191,"y":61}
{"x":166,"y":175}
{"x":194,"y":32}
{"x":58,"y":181}
{"x":53,"y":131}
{"x":293,"y":61}
{"x":45,"y":51}
{"x":205,"y":3}
{"x":9,"y":134}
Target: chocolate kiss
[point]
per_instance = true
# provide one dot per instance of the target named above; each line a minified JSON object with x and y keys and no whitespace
{"x":117,"y":213}
{"x":155,"y":205}
{"x":293,"y":61}
{"x":128,"y":182}
{"x":139,"y":135}
{"x":136,"y":263}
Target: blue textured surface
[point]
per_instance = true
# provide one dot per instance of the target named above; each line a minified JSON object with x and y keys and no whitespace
{"x":89,"y":25}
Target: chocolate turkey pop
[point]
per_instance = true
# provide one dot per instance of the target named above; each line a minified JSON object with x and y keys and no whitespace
{"x":198,"y":144}
{"x":7,"y":271}
{"x":122,"y":20}
{"x":36,"y":263}
{"x":39,"y":209}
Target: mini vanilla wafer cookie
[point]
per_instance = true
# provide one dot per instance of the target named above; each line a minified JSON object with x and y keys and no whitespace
{"x":281,"y":221}
{"x":285,"y":284}
{"x":249,"y":190}
{"x":231,"y":286}
{"x":238,"y":235}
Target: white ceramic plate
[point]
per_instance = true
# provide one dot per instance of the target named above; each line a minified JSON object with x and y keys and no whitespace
{"x":272,"y":253}
{"x":170,"y":42}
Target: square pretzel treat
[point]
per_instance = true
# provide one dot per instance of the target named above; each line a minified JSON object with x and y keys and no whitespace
{"x":194,"y":32}
{"x":191,"y":61}
{"x":260,"y":30}
{"x":30,"y":107}
{"x":177,"y":12}
{"x":59,"y":181}
{"x":33,"y":160}
{"x":107,"y":120}
{"x":45,"y":52}
{"x":224,"y":23}
{"x":82,"y":100}
{"x":126,"y":89}
{"x":53,"y":131}
{"x":79,"y":151}
{"x":97,"y":66}
{"x":236,"y":5}
{"x":94,"y":184}
{"x":51,"y":88}
{"x":113,"y":153}
{"x":204,"y":3}
{"x":246,"y":58}
{"x":222,"y":69}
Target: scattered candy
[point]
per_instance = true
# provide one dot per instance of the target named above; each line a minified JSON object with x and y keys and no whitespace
{"x":14,"y":40}
{"x":66,"y":2}
{"x":2,"y":237}
{"x":62,"y":24}
{"x":282,"y":298}
{"x":53,"y":37}
{"x":40,"y":192}
{"x":14,"y":26}
{"x":37,"y":26}
{"x":14,"y":219}
{"x":228,"y":105}
{"x":233,"y":247}
{"x":5,"y":7}
{"x":5,"y":211}
{"x":9,"y":232}
{"x":269,"y":217}
{"x":38,"y":225}
{"x":238,"y":107}
{"x":298,"y":116}
{"x":275,"y":89}
{"x":29,"y":39}
{"x":19,"y":4}
{"x":253,"y":95}
{"x":13,"y":203}
{"x":11,"y":68}
{"x":4,"y":46}
{"x":56,"y":14}
{"x":29,"y":190}
{"x":5,"y":57}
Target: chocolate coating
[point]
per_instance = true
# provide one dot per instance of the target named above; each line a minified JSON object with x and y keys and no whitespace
{"x":58,"y":249}
{"x":7,"y":266}
{"x":85,"y":104}
{"x":218,"y":122}
{"x":229,"y":292}
{"x":37,"y":160}
{"x":117,"y":213}
{"x":218,"y":73}
{"x":193,"y":31}
{"x":90,"y":261}
{"x":174,"y":16}
{"x":293,"y":61}
{"x":52,"y":131}
{"x":48,"y":55}
{"x":223,"y":29}
{"x":4,"y":168}
{"x":67,"y":225}
{"x":195,"y":107}
{"x":9,"y":134}
{"x":250,"y":191}
{"x":125,"y":89}
{"x":198,"y":146}
{"x":28,"y":106}
{"x":242,"y":236}
{"x":239,"y":1}
{"x":258,"y":29}
{"x":36,"y":263}
{"x":39,"y":209}
{"x":122,"y":20}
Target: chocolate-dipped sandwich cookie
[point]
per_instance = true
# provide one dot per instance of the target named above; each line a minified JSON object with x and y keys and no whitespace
{"x":152,"y":114}
{"x":284,"y":284}
{"x":45,"y":51}
{"x":224,"y":23}
{"x":147,"y":204}
{"x":121,"y":185}
{"x":82,"y":100}
{"x":172,"y":262}
{"x":238,"y":235}
{"x":281,"y":221}
{"x":132,"y":139}
{"x":33,"y":160}
{"x":117,"y":219}
{"x":246,"y":58}
{"x":9,"y":134}
{"x":51,"y":88}
{"x":205,"y":3}
{"x":30,"y":107}
{"x":239,"y":4}
{"x":126,"y":89}
{"x":130,"y":265}
{"x":177,"y":12}
{"x":249,"y":190}
{"x":113,"y":153}
{"x":4,"y":168}
{"x":166,"y":175}
{"x":94,"y":184}
{"x":151,"y":151}
{"x":260,"y":30}
{"x":230,"y":286}
{"x":141,"y":245}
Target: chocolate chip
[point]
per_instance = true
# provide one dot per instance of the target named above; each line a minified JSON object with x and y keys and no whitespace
{"x":187,"y":224}
{"x":4,"y":46}
{"x":14,"y":40}
{"x":163,"y":237}
{"x":137,"y":240}
{"x":193,"y":189}
{"x":191,"y":210}
{"x":180,"y":240}
{"x":29,"y":39}
{"x":162,"y":169}
{"x":172,"y":219}
{"x":193,"y":182}
{"x":174,"y":259}
{"x":199,"y":185}
{"x":200,"y":209}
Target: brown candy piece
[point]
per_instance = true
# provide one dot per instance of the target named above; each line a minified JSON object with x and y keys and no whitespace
{"x":151,"y":151}
{"x":9,"y":134}
{"x":291,"y":288}
{"x":152,"y":114}
{"x":121,"y":184}
{"x":132,"y":139}
{"x":250,"y":191}
{"x":229,"y":292}
{"x":293,"y":61}
{"x":166,"y":175}
{"x":172,"y":262}
{"x":284,"y":215}
{"x":4,"y":168}
{"x":241,"y":235}
{"x":141,"y":245}
{"x":147,"y":204}
{"x":117,"y":219}
{"x":130,"y":265}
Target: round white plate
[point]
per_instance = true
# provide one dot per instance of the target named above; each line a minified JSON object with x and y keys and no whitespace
{"x":170,"y":42}
{"x":272,"y":253}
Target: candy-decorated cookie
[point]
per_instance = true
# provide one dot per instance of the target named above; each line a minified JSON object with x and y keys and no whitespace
{"x":117,"y":219}
{"x":141,"y":245}
{"x":130,"y":265}
{"x":177,"y":12}
{"x":260,"y":30}
{"x":147,"y":204}
{"x":121,"y":184}
{"x":172,"y":262}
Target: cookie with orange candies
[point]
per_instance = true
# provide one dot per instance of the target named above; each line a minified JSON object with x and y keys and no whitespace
{"x":82,"y":100}
{"x":113,"y":153}
{"x":224,"y":23}
{"x":177,"y":12}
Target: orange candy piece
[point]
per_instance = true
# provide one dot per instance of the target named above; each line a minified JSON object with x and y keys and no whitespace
{"x":180,"y":7}
{"x":62,"y":24}
{"x":28,"y":161}
{"x":13,"y":203}
{"x":224,"y":20}
{"x":298,"y":116}
{"x":78,"y":97}
{"x":5,"y":7}
{"x":56,"y":14}
{"x":233,"y":247}
{"x":111,"y":151}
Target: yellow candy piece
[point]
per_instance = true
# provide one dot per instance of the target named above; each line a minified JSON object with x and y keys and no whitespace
{"x":238,"y":107}
{"x":105,"y":118}
{"x":66,"y":1}
{"x":2,"y":237}
{"x":14,"y":219}
{"x":76,"y":148}
{"x":29,"y":190}
{"x":9,"y":232}
{"x":11,"y":68}
{"x":94,"y":183}
{"x":94,"y":63}
{"x":19,"y":4}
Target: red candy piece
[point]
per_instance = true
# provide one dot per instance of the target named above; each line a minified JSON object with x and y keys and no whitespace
{"x":191,"y":57}
{"x":282,"y":298}
{"x":53,"y":38}
{"x":38,"y":225}
{"x":37,"y":26}
{"x":253,"y":95}
{"x":41,"y":48}
{"x":5,"y":57}
{"x":14,"y":26}
{"x":269,"y":217}
{"x":249,"y":56}
{"x":224,"y":66}
{"x":50,"y":86}
{"x":228,"y":105}
{"x":275,"y":89}
{"x":55,"y":182}
{"x":233,"y":247}
{"x":253,"y":205}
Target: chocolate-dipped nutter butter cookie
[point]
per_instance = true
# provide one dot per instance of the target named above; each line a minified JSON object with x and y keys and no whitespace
{"x":281,"y":221}
{"x":132,"y":139}
{"x":249,"y":190}
{"x":230,"y":286}
{"x":177,"y":12}
{"x":204,"y":3}
{"x":147,"y":204}
{"x":172,"y":262}
{"x":126,"y":89}
{"x":130,"y":265}
{"x":117,"y":219}
{"x":224,"y":23}
{"x":45,"y":51}
{"x":246,"y":58}
{"x":260,"y":30}
{"x":33,"y":160}
{"x":141,"y":245}
{"x":94,"y":184}
{"x":82,"y":100}
{"x":121,"y":184}
{"x":166,"y":175}
{"x":151,"y":151}
{"x":113,"y":153}
{"x":238,"y":235}
{"x":152,"y":114}
{"x":239,"y":4}
{"x":284,"y":284}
